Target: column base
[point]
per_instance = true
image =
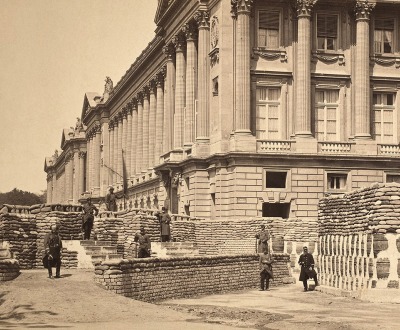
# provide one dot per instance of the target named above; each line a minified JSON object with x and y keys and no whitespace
{"x":242,"y":141}
{"x":201,"y":148}
{"x":306,"y":145}
{"x":366,"y":147}
{"x":363,"y":136}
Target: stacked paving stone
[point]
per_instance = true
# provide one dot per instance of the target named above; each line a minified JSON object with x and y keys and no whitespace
{"x":69,"y":259}
{"x":156,"y":279}
{"x":360,"y":238}
{"x":24,"y":228}
{"x":9,"y":269}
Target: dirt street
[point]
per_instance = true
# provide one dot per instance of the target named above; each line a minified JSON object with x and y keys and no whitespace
{"x":75,"y":302}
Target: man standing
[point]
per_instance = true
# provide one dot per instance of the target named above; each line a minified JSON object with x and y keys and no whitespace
{"x":263,"y":237}
{"x":111,"y":200}
{"x":306,"y":261}
{"x":165,"y":221}
{"x":89,"y":212}
{"x":265,"y":270}
{"x":52,"y":250}
{"x":144,"y":243}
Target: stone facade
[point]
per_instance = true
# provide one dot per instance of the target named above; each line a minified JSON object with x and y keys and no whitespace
{"x":157,"y":279}
{"x":242,"y":109}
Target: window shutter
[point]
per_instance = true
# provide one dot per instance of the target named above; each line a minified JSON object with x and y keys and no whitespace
{"x":327,"y":26}
{"x":268,"y":20}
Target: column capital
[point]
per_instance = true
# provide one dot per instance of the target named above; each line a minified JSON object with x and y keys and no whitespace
{"x":153,"y":85}
{"x":304,"y":7}
{"x":111,"y":124}
{"x":241,"y":7}
{"x":124,"y":112}
{"x":179,"y":43}
{"x":169,"y":51}
{"x":160,"y":77}
{"x":69,"y":156}
{"x":96,"y":128}
{"x":363,"y":9}
{"x":190,"y":31}
{"x":139,"y":97}
{"x":119,"y":117}
{"x":82,"y":154}
{"x":146,"y":92}
{"x":202,"y":18}
{"x":49,"y":176}
{"x":133,"y":103}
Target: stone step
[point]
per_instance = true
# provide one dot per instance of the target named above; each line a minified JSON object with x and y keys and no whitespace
{"x":100,"y":249}
{"x":102,"y":257}
{"x":169,"y":245}
{"x":95,"y":243}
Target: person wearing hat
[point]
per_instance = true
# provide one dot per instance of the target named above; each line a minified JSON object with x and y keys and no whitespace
{"x":263,"y":237}
{"x":165,"y":221}
{"x":265,"y":270}
{"x":306,"y":262}
{"x":52,"y":251}
{"x":144,"y":244}
{"x":111,"y":200}
{"x":89,"y":212}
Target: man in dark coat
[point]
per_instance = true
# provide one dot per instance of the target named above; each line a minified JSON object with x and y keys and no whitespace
{"x":89,"y":212}
{"x":111,"y":200}
{"x":265,"y":270}
{"x":165,"y":221}
{"x":144,"y":243}
{"x":306,"y":262}
{"x":263,"y":237}
{"x":52,"y":250}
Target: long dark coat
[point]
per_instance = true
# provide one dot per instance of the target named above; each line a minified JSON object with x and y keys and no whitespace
{"x":306,"y":261}
{"x":52,"y":246}
{"x":266,"y":265}
{"x":165,"y":220}
{"x":263,"y":237}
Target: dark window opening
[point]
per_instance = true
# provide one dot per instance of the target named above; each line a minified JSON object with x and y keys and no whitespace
{"x":275,"y":179}
{"x":277,"y":210}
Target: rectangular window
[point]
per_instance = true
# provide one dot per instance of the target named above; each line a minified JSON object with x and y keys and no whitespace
{"x":278,"y":210}
{"x":336,"y":181}
{"x":383,"y":35}
{"x":268,"y":113}
{"x":393,"y":178}
{"x":275,"y":179}
{"x":327,"y":31}
{"x":384,"y":117}
{"x":327,"y":115}
{"x":268,"y":29}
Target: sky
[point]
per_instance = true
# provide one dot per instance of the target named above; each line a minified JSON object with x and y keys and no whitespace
{"x":51,"y":53}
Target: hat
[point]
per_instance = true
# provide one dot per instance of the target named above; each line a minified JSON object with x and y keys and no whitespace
{"x":111,"y":188}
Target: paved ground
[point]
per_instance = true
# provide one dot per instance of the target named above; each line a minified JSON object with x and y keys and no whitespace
{"x":75,"y":302}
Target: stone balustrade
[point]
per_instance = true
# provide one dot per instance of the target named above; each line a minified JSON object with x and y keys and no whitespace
{"x":389,"y":149}
{"x":335,"y":147}
{"x":274,"y":146}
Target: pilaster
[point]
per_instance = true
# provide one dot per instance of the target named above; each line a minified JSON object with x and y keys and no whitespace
{"x":169,"y":99}
{"x":119,"y":150}
{"x":81,"y":188}
{"x":159,"y":129}
{"x":139,"y":152}
{"x":134,"y":138}
{"x":145,"y":122}
{"x":128,"y":152}
{"x":110,"y":163}
{"x":124,"y":139}
{"x":152,"y":123}
{"x":75,"y":178}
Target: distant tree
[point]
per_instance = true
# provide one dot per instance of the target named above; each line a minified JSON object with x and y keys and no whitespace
{"x":20,"y":197}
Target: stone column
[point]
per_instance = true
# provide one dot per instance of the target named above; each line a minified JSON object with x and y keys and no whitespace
{"x":49,"y":187}
{"x":190,"y":32}
{"x":159,"y":130}
{"x":180,"y":93}
{"x":111,"y":152}
{"x":203,"y":101}
{"x":124,"y":141}
{"x":82,"y":156}
{"x":68,"y":176}
{"x":152,"y":123}
{"x":96,"y":159}
{"x":134,"y":138}
{"x":303,"y":73}
{"x":88,"y":163}
{"x":54,"y":188}
{"x":361,"y":73}
{"x":139,"y":151}
{"x":242,"y":113}
{"x":115,"y":154}
{"x":128,"y":153}
{"x":145,"y":125}
{"x":169,"y":99}
{"x":119,"y":149}
{"x":76,"y":175}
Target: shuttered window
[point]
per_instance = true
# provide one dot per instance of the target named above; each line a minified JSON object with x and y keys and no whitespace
{"x":383,"y":35}
{"x":327,"y":115}
{"x":268,"y":113}
{"x":384,"y":117}
{"x":327,"y":32}
{"x":268,"y":29}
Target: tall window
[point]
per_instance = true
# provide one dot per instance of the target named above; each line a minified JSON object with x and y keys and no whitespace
{"x":327,"y":31}
{"x":336,"y":181}
{"x":268,"y":114}
{"x":383,"y":35}
{"x":384,"y":117}
{"x":327,"y":115}
{"x":268,"y":29}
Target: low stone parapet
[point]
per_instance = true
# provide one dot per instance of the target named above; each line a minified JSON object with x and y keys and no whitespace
{"x":156,"y":279}
{"x":9,"y":269}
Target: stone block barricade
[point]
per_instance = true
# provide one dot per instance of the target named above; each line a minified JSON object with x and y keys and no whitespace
{"x":23,"y":229}
{"x":9,"y":269}
{"x":155,"y":279}
{"x":360,"y":238}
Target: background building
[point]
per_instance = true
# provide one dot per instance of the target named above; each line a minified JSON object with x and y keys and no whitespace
{"x":244,"y":108}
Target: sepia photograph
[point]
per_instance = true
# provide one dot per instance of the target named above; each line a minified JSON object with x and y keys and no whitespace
{"x":200,"y":164}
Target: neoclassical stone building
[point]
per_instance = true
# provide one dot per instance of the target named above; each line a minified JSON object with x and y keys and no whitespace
{"x":244,"y":108}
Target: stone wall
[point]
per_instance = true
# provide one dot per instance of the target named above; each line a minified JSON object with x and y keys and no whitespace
{"x":157,"y":279}
{"x":23,"y":229}
{"x":9,"y":269}
{"x":360,"y":238}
